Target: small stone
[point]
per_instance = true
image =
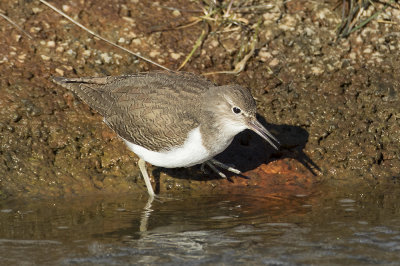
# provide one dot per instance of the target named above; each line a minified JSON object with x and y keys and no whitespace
{"x":309,"y":31}
{"x":131,"y":35}
{"x":330,"y":67}
{"x":130,"y":20}
{"x":317,"y":70}
{"x":269,"y":34}
{"x":86,"y":53}
{"x":59,"y":71}
{"x":71,"y":52}
{"x":21,"y":57}
{"x":367,"y":51}
{"x":175,"y":56}
{"x":274,"y":62}
{"x":176,"y":13}
{"x":51,"y":44}
{"x":106,"y":58}
{"x":17,"y":37}
{"x":60,"y":49}
{"x":36,"y":10}
{"x":154,"y":54}
{"x":264,"y":55}
{"x":66,"y":8}
{"x":214,"y":43}
{"x":137,"y":41}
{"x":45,"y":57}
{"x":275,"y":52}
{"x":121,"y":40}
{"x":271,"y":17}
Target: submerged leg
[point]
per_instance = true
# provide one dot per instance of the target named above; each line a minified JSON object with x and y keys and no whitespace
{"x":142,"y":167}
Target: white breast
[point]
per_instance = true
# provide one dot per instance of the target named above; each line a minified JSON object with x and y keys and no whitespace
{"x":190,"y":153}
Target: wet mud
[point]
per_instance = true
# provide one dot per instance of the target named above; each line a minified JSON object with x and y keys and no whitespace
{"x":332,"y":103}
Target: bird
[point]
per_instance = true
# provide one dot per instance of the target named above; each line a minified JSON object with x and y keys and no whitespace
{"x":171,"y":119}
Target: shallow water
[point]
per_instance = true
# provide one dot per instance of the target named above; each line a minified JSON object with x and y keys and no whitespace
{"x":329,"y":227}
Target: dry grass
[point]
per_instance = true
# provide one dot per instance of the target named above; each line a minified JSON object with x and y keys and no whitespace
{"x":353,"y":11}
{"x":224,"y":17}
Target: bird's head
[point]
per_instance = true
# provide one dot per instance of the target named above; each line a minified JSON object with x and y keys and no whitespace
{"x":235,"y":110}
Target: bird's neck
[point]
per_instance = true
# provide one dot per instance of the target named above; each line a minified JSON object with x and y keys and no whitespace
{"x":216,"y":133}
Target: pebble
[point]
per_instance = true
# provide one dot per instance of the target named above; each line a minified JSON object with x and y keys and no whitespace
{"x":323,"y":13}
{"x":309,"y":31}
{"x":214,"y":43}
{"x":367,"y":51}
{"x":264,"y":55}
{"x":271,"y":17}
{"x":274,"y":62}
{"x":35,"y":29}
{"x":36,"y":10}
{"x":106,"y":58}
{"x":353,"y":55}
{"x":66,"y":8}
{"x":45,"y":57}
{"x":175,"y":56}
{"x":67,"y":67}
{"x":269,"y":34}
{"x":130,"y":20}
{"x":71,"y":52}
{"x":59,"y":71}
{"x":137,"y":41}
{"x":154,"y":54}
{"x":21,"y":57}
{"x":176,"y":13}
{"x":51,"y":44}
{"x":86,"y":53}
{"x":317,"y":70}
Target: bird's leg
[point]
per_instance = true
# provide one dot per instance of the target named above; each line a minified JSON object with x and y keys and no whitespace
{"x":224,"y":166}
{"x":211,"y":165}
{"x":142,"y":167}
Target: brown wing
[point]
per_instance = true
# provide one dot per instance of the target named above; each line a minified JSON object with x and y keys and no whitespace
{"x":155,"y":110}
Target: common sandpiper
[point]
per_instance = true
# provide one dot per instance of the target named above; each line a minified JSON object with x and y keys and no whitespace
{"x":171,"y":119}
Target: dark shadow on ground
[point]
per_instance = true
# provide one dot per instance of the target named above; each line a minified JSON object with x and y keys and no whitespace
{"x":248,"y":151}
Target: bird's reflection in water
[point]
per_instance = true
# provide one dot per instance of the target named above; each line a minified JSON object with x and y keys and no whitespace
{"x":147,"y":210}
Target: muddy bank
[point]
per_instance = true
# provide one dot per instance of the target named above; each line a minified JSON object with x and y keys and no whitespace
{"x":332,"y":103}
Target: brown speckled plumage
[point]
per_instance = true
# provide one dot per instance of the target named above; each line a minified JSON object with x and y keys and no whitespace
{"x":155,"y":110}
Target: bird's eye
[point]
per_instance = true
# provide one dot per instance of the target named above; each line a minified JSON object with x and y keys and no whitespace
{"x":236,"y":110}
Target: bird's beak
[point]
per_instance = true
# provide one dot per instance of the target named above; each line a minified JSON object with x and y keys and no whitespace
{"x":256,"y":126}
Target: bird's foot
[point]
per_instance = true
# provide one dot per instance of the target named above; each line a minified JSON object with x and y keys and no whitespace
{"x":225,"y":166}
{"x":212,"y":163}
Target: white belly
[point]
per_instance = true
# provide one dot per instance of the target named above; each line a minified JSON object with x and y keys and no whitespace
{"x":190,"y":153}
